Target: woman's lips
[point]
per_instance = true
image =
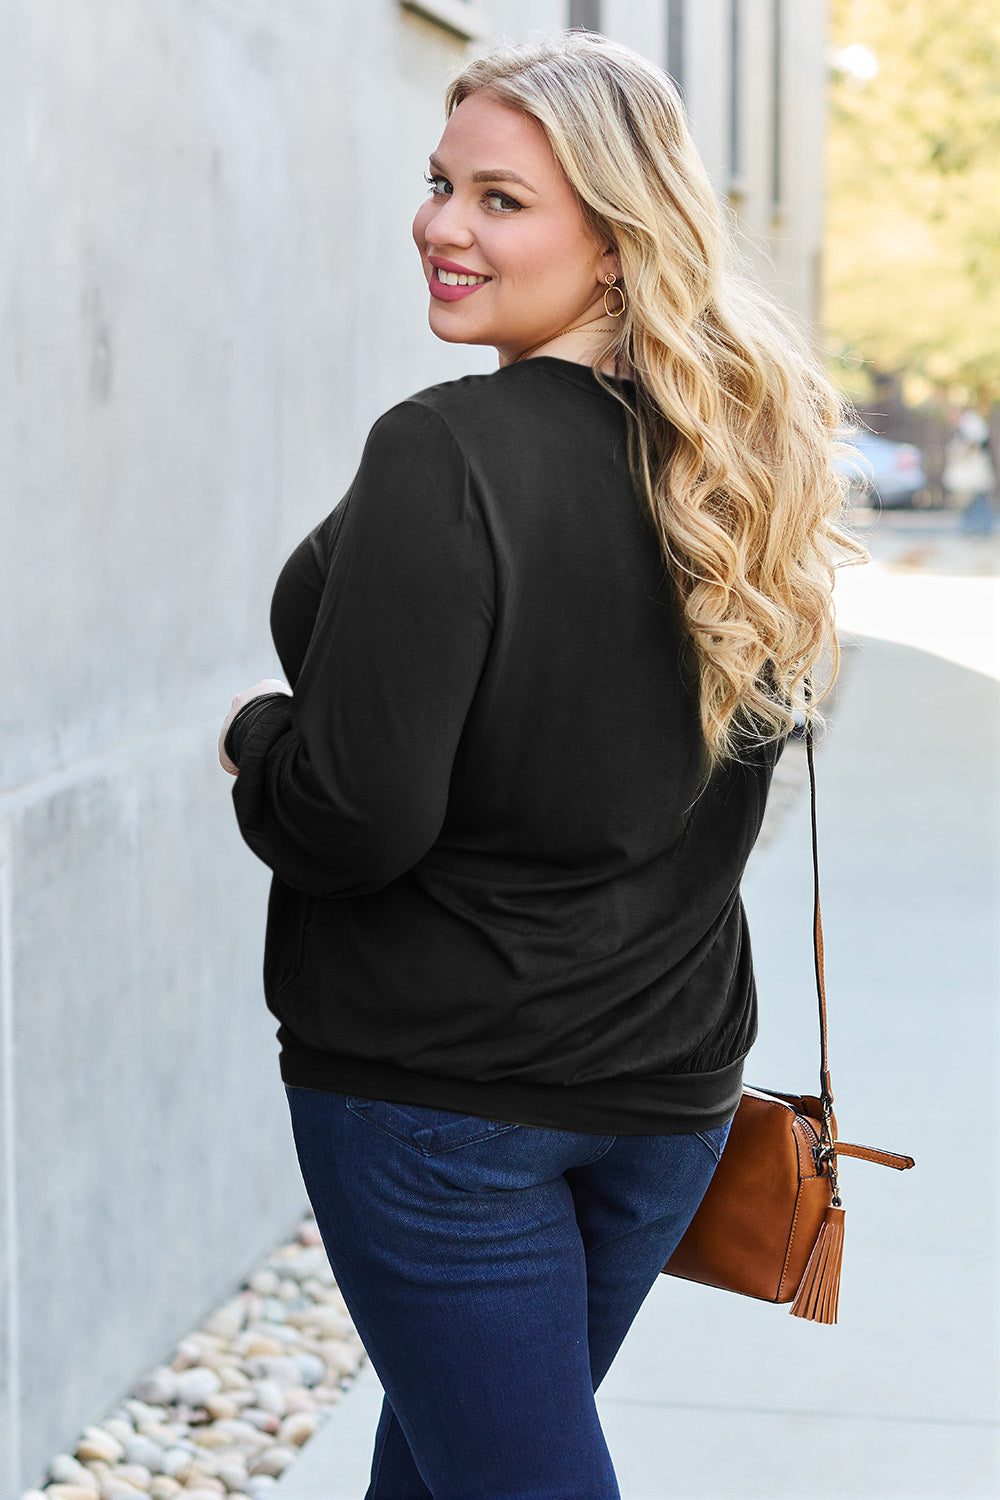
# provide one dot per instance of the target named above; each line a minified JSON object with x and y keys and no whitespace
{"x":452,"y":293}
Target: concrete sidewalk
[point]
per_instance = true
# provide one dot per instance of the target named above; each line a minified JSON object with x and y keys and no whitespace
{"x":714,"y":1397}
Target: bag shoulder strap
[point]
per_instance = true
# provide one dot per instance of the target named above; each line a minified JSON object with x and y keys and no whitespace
{"x":825,"y":1086}
{"x":829,"y":1147}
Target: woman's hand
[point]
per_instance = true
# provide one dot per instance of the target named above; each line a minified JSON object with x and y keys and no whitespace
{"x":269,"y":685}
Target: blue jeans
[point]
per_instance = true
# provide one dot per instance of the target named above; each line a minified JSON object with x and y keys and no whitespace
{"x":492,"y":1271}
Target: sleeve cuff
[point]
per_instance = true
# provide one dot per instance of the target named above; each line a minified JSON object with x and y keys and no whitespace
{"x":244,"y":721}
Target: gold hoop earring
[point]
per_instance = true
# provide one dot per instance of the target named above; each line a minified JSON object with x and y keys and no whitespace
{"x":611,"y":279}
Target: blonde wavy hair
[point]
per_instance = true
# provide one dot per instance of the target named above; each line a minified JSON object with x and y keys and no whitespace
{"x":734,"y":426}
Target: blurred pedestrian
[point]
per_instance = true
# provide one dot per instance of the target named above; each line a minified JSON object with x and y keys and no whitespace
{"x":542,"y":659}
{"x":969,"y":477}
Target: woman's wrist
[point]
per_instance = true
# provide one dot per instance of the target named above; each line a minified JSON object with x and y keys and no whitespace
{"x":242,"y":715}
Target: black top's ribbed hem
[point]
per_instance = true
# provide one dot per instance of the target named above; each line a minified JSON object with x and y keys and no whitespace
{"x":670,"y":1104}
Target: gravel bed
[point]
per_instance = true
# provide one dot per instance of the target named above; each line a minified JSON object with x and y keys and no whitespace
{"x":237,"y":1401}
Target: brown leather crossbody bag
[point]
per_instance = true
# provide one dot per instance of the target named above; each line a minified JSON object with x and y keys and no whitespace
{"x":771,"y":1225}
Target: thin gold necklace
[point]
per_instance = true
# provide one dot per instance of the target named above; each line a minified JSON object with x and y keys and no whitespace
{"x":573,"y":328}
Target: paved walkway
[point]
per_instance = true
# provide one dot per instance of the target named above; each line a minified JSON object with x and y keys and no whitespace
{"x":716,"y":1398}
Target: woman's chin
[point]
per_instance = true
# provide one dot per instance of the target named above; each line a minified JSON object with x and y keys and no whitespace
{"x":450,"y":331}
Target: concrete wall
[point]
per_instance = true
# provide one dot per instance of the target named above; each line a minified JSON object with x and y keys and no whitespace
{"x":208,"y":294}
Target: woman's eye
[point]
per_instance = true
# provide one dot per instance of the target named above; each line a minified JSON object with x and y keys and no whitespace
{"x":502,"y":203}
{"x":496,"y":202}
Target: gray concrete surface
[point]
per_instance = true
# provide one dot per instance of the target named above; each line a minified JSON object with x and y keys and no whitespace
{"x":716,"y":1398}
{"x":194,"y":304}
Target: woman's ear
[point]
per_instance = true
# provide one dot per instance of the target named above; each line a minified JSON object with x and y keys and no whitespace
{"x":611,"y":263}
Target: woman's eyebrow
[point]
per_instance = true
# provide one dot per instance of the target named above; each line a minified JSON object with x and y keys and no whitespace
{"x":488,"y":174}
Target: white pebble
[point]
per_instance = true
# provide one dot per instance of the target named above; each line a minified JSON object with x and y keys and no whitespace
{"x":282,"y":1369}
{"x":69,"y":1492}
{"x":264,"y":1283}
{"x":114,"y":1488}
{"x":233,"y":1474}
{"x":135,"y":1474}
{"x":299,"y":1399}
{"x":264,"y":1421}
{"x":158,"y":1388}
{"x":270,"y":1397}
{"x":317,"y":1290}
{"x":272,"y":1310}
{"x":252,"y":1342}
{"x":311,"y":1368}
{"x":144,"y":1411}
{"x":240,"y":1434}
{"x":32,"y":1495}
{"x":189,"y":1352}
{"x":162,"y":1487}
{"x":288,"y":1337}
{"x":260,"y":1486}
{"x":228,"y":1321}
{"x":96,"y":1443}
{"x":209,"y":1438}
{"x":203,"y":1477}
{"x":195,"y":1384}
{"x":212,"y":1359}
{"x":177,"y":1463}
{"x":120,"y":1427}
{"x":203,"y":1491}
{"x":327,"y":1395}
{"x":330,"y":1322}
{"x":65,"y":1469}
{"x":141,"y":1449}
{"x":341,"y":1359}
{"x":163,"y":1434}
{"x":297,"y":1428}
{"x":274,"y":1461}
{"x":220,"y":1406}
{"x":310,"y":1261}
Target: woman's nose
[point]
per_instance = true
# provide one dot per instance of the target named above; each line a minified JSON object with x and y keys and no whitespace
{"x":448,"y":226}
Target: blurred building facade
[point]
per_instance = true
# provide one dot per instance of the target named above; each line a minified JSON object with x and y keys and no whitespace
{"x":209,"y":294}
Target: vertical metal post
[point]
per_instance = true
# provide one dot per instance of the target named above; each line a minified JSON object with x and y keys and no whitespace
{"x":675,"y":41}
{"x":735,"y":92}
{"x":777,"y":139}
{"x":585,"y":15}
{"x":11,"y":1479}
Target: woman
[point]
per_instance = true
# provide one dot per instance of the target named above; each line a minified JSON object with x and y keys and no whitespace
{"x":542,"y":657}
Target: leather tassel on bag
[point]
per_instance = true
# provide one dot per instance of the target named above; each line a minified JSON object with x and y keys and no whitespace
{"x":819,"y":1289}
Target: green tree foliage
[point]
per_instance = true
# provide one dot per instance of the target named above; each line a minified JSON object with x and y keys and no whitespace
{"x":912,"y":258}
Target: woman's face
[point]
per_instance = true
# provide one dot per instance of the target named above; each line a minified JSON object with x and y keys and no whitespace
{"x":502,"y":211}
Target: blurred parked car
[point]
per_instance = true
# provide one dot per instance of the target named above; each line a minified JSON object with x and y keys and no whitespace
{"x":882,"y":471}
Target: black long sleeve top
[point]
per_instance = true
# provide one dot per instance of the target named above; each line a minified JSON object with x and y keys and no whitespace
{"x":503,"y":883}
